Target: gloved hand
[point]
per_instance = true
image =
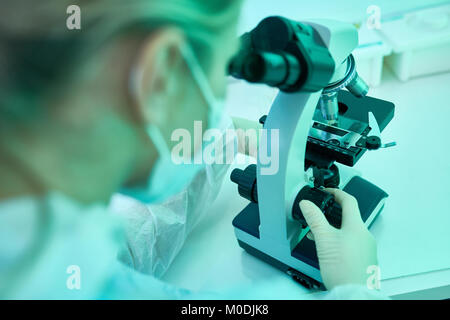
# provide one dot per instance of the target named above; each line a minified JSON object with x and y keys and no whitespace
{"x":344,"y":254}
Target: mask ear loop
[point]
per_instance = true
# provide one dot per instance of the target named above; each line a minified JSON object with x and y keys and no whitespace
{"x":135,"y":79}
{"x":205,"y":88}
{"x":198,"y":74}
{"x":215,"y":109}
{"x":158,"y":140}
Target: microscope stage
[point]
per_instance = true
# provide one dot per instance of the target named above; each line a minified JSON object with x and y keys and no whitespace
{"x":340,"y":144}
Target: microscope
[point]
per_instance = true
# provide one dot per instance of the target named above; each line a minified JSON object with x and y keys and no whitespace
{"x":323,"y":131}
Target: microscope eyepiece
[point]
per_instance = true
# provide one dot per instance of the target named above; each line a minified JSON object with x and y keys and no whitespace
{"x":269,"y":68}
{"x":278,"y":52}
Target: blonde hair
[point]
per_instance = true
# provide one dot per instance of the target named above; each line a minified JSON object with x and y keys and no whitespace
{"x":36,"y":45}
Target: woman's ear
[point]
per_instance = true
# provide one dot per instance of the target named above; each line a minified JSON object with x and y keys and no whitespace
{"x":155,"y":74}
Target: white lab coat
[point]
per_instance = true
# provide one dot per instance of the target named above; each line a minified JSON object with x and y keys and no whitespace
{"x":55,"y":248}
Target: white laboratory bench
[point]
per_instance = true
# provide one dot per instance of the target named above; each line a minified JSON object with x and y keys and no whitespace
{"x":412,"y":232}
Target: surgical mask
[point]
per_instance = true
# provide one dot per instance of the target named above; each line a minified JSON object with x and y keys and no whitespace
{"x":168,"y":178}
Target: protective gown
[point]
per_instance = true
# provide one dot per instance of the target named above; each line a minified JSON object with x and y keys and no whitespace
{"x":55,"y":248}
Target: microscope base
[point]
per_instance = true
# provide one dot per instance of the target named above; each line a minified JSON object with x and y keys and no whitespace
{"x":303,"y":264}
{"x":299,"y":277}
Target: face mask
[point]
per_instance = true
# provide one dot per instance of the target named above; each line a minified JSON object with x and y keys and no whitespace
{"x":167,"y":178}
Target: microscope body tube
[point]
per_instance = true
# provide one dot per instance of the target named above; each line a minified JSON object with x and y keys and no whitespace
{"x":271,"y":68}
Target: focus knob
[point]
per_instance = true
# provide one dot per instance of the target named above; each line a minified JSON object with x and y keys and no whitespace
{"x":373,"y":143}
{"x":322,"y":199}
{"x":246,"y":181}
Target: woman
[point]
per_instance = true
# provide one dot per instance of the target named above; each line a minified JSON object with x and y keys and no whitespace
{"x":87,"y":113}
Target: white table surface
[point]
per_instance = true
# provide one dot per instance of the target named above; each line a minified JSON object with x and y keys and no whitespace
{"x":413,"y":231}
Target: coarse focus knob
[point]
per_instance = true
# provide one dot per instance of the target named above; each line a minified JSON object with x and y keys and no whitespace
{"x":322,"y":199}
{"x":246,"y":181}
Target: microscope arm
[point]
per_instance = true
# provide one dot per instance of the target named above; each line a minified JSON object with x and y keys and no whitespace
{"x":291,"y":115}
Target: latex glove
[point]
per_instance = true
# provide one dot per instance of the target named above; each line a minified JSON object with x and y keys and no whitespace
{"x":344,"y":254}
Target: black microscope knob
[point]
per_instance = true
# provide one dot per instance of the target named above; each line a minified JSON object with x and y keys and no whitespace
{"x":328,"y":178}
{"x":373,"y":143}
{"x":246,"y":181}
{"x":323,"y":200}
{"x":263,"y":119}
{"x":332,"y":179}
